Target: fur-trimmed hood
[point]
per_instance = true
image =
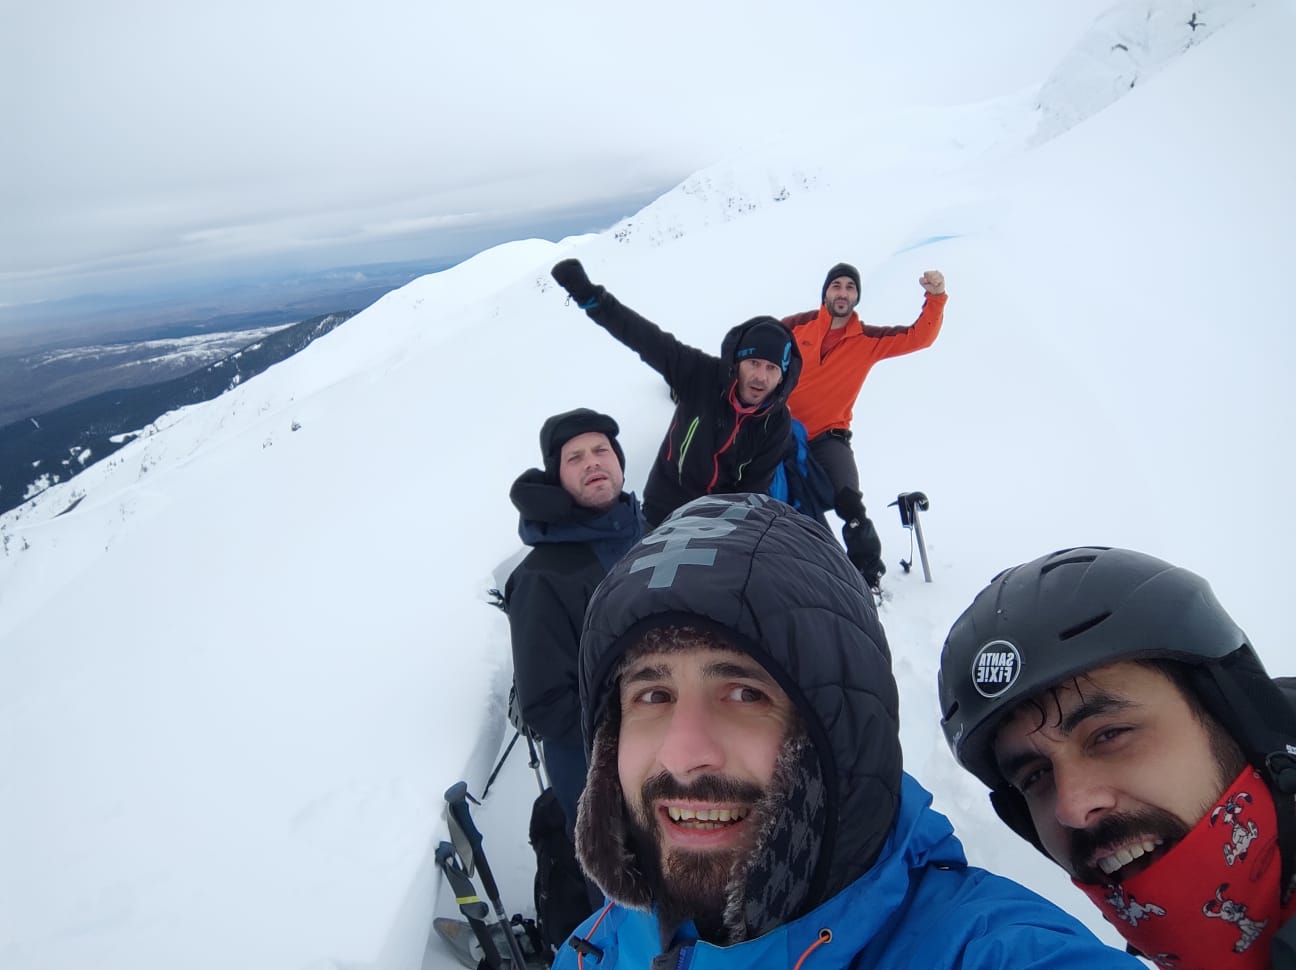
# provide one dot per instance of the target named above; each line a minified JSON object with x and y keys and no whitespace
{"x":779,"y":587}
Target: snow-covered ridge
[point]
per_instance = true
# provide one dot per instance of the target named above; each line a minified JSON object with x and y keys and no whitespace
{"x":192,"y":351}
{"x":1126,"y":45}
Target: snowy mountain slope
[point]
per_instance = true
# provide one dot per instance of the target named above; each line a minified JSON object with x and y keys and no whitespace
{"x":54,"y":445}
{"x":236,"y":678}
{"x":1124,"y":47}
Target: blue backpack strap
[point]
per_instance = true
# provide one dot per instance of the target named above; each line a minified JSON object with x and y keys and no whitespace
{"x":779,"y":485}
{"x":800,"y":481}
{"x":802,"y":447}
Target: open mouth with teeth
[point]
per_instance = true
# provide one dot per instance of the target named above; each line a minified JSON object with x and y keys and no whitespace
{"x":1129,"y":860}
{"x":705,"y":819}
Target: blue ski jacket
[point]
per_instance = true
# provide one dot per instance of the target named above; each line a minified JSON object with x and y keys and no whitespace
{"x":920,"y":906}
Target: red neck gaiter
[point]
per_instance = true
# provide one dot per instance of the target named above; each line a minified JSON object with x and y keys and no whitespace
{"x":1211,"y":902}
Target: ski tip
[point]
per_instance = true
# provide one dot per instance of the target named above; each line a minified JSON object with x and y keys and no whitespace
{"x":460,"y":938}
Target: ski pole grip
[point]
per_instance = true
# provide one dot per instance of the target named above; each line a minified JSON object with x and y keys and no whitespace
{"x":456,"y":797}
{"x":470,"y":904}
{"x":444,"y":853}
{"x":489,"y":884}
{"x":457,"y":792}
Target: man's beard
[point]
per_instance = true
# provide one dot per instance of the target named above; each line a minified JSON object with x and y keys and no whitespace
{"x":1155,"y":823}
{"x":840,"y":308}
{"x":751,"y":397}
{"x":691,"y":885}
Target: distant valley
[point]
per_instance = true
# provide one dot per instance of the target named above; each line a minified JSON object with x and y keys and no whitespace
{"x":79,"y":378}
{"x":41,"y":382}
{"x":144,"y":380}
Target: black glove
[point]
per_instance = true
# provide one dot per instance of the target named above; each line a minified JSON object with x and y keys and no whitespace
{"x":570,"y":275}
{"x":863,"y":547}
{"x":848,"y":503}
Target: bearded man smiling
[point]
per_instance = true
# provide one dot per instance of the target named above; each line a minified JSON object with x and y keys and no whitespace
{"x":746,"y":804}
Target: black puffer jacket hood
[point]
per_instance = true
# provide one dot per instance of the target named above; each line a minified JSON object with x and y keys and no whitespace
{"x":782,"y":585}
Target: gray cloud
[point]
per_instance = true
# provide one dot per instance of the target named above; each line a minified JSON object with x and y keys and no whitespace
{"x":151,"y":138}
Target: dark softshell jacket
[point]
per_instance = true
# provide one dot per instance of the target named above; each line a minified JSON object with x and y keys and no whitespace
{"x":572,"y":550}
{"x":710,"y":447}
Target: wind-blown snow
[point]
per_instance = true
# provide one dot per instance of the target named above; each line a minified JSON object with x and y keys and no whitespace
{"x":238,"y":673}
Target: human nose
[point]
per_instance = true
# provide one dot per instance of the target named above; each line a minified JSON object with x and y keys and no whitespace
{"x":1083,"y":795}
{"x":691,"y":744}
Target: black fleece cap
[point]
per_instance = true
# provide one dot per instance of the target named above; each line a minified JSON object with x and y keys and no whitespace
{"x":766,"y":339}
{"x":561,"y":428}
{"x":841,"y":269}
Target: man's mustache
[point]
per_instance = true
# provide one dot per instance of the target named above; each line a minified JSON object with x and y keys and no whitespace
{"x":707,"y":788}
{"x":1155,"y":823}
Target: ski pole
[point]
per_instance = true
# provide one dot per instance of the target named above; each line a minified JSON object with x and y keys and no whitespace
{"x":909,"y":505}
{"x":922,"y":546}
{"x":535,"y":762}
{"x":468,"y":840}
{"x":515,"y":718}
{"x":500,"y":764}
{"x":470,"y":904}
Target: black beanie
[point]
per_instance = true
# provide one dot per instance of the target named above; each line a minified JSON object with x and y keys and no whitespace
{"x":841,"y":269}
{"x":561,"y":428}
{"x":765,"y":339}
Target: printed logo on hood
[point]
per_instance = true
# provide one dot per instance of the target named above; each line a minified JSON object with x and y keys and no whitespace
{"x":995,"y":668}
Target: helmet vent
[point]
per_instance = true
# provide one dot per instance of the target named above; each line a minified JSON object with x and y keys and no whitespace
{"x":1082,"y":627}
{"x":1075,"y":559}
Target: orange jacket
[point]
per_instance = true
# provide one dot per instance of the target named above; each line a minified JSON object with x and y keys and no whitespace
{"x":824,"y":397}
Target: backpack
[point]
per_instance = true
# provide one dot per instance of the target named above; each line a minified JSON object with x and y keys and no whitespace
{"x":800,"y":481}
{"x":562,"y":901}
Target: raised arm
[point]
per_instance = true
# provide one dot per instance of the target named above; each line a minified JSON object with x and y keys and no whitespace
{"x":660,"y":350}
{"x":922,"y":333}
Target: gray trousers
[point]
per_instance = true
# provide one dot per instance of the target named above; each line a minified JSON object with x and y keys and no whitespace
{"x":833,"y":453}
{"x":863,"y":547}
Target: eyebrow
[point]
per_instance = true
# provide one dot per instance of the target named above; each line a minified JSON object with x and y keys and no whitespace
{"x":646,"y":674}
{"x":716,"y":670}
{"x":1092,"y":706}
{"x":723,"y":669}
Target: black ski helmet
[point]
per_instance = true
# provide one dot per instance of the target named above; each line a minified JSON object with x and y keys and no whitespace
{"x":1063,"y":614}
{"x":1040,"y":623}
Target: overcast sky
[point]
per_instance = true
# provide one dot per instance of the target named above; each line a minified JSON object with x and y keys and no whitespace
{"x":151,"y":140}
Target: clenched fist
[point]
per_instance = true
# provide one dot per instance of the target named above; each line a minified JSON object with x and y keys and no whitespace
{"x":933,"y":281}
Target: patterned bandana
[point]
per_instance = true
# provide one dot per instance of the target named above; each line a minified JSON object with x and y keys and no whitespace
{"x":1211,"y":902}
